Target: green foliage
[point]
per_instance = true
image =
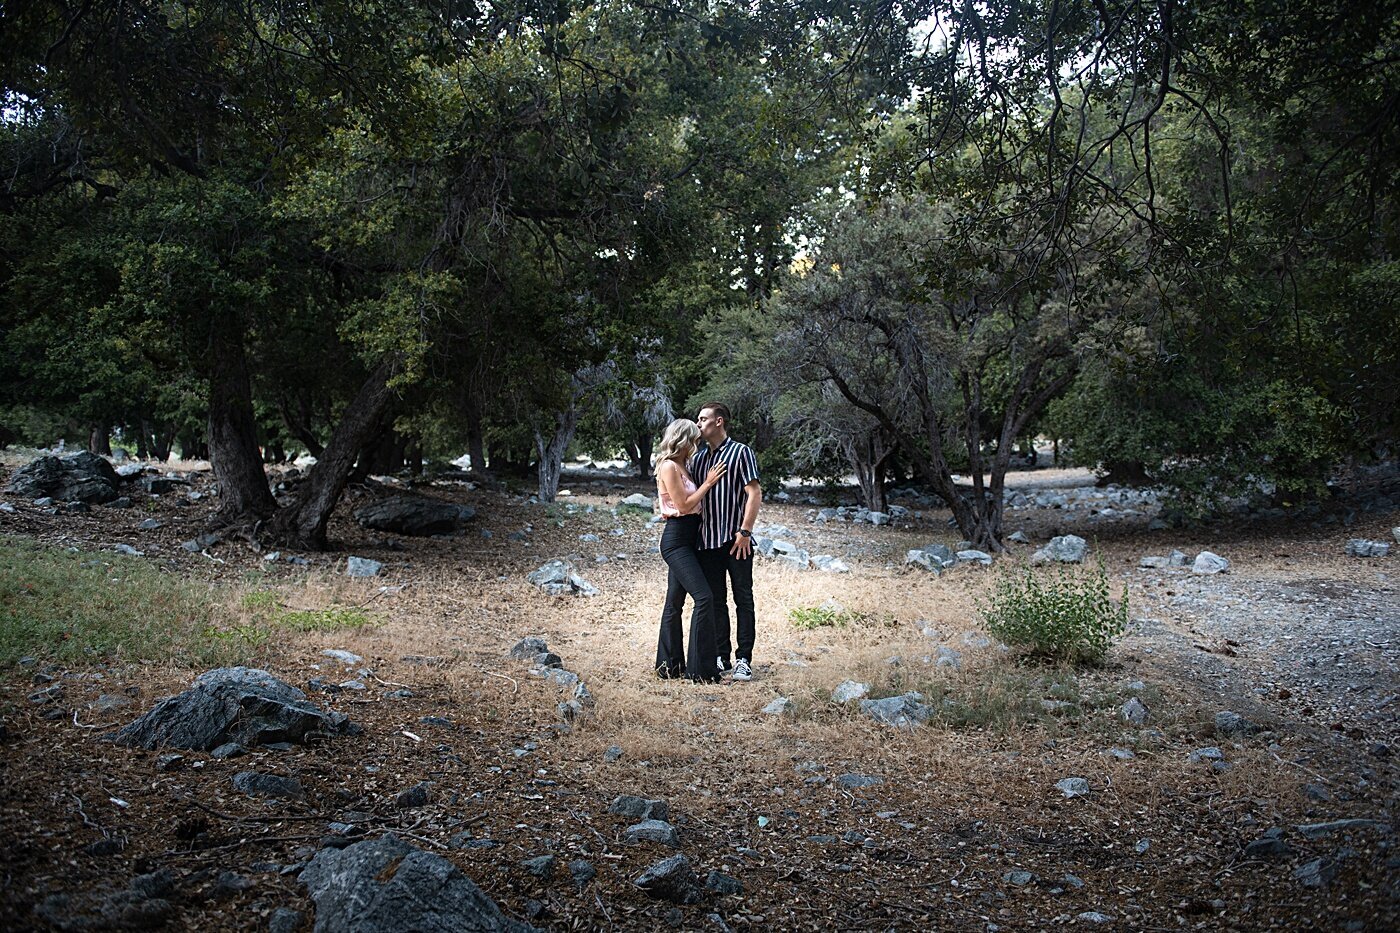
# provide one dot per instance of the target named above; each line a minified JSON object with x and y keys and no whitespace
{"x":269,"y":615}
{"x":812,"y":617}
{"x":1065,"y":614}
{"x":79,"y":606}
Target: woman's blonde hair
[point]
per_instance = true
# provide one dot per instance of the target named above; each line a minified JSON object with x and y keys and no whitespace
{"x":679,"y":440}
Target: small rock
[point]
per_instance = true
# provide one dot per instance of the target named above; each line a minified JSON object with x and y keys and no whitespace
{"x":1316,"y":874}
{"x":904,"y":711}
{"x":1018,"y":877}
{"x":1073,"y":787}
{"x":652,"y":831}
{"x":348,"y":658}
{"x":721,"y":883}
{"x":849,"y":690}
{"x":857,"y":781}
{"x":1210,"y":753}
{"x":671,"y":879}
{"x":1271,"y":845}
{"x":1230,"y":723}
{"x":613,"y":753}
{"x":415,"y":796}
{"x":128,"y":550}
{"x":1064,"y":549}
{"x":228,"y":750}
{"x":639,"y":808}
{"x":1322,"y":830}
{"x":971,"y":555}
{"x":778,"y":707}
{"x":582,"y":871}
{"x":362,"y":567}
{"x":541,"y":866}
{"x":1206,"y":562}
{"x":947,"y":657}
{"x":1019,"y":537}
{"x":1093,"y":916}
{"x":268,"y":785}
{"x":1360,"y":547}
{"x":1134,"y":712}
{"x":171,"y":762}
{"x":528,"y":648}
{"x":284,"y":920}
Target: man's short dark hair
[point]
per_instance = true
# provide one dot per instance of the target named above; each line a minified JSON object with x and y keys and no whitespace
{"x":719,"y":408}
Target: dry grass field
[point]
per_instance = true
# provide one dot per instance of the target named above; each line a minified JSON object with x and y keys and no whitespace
{"x":962,"y":828}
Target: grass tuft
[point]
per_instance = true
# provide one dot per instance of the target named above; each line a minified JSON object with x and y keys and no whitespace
{"x":64,"y":605}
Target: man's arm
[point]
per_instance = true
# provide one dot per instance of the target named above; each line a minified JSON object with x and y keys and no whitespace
{"x":743,"y":544}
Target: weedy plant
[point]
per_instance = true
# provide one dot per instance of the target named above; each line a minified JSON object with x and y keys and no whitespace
{"x":1066,"y":614}
{"x":809,"y":617}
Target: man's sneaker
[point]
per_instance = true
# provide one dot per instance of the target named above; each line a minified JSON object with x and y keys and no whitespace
{"x":742,"y":671}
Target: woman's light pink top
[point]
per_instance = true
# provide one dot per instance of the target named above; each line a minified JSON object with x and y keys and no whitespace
{"x":669,"y":508}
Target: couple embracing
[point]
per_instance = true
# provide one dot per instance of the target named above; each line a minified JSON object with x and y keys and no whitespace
{"x":707,"y":542}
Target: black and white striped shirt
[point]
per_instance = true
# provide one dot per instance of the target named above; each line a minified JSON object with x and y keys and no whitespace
{"x":723,"y":508}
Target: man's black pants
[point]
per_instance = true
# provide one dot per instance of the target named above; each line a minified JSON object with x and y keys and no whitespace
{"x":718,"y":563}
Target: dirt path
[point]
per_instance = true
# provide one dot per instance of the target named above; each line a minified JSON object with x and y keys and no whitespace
{"x":829,"y":820}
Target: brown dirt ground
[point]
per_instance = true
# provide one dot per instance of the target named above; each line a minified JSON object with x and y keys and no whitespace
{"x":960,"y":807}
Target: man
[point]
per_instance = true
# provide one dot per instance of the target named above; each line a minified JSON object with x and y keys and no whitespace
{"x":726,"y":534}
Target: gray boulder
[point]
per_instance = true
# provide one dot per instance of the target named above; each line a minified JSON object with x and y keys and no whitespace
{"x":1232,"y":723}
{"x":671,"y":879}
{"x":829,"y":564}
{"x":638,"y":501}
{"x":1065,"y":549}
{"x":904,"y":711}
{"x":652,"y":831}
{"x":933,"y":558}
{"x":1207,"y":562}
{"x":1073,"y":787}
{"x":557,"y":578}
{"x":972,"y":555}
{"x":82,"y":477}
{"x":234,"y":704}
{"x":639,"y":808}
{"x":849,"y":690}
{"x":1134,"y":712}
{"x":417,"y":516}
{"x":383,"y":885}
{"x":1360,"y":547}
{"x":362,"y":567}
{"x":528,"y":648}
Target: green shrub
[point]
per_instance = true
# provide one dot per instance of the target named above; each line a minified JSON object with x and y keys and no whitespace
{"x":330,"y":619}
{"x":809,"y":617}
{"x":1066,"y":614}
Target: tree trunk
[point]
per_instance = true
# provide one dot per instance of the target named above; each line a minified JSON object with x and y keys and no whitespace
{"x":143,"y":439}
{"x":476,"y":440}
{"x":303,"y":525}
{"x":639,"y":453}
{"x":161,"y":441}
{"x":413,"y":457}
{"x":233,"y":433}
{"x":551,"y":451}
{"x":100,"y":439}
{"x":869,"y":456}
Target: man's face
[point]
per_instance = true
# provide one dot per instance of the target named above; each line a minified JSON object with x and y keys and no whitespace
{"x":711,"y":425}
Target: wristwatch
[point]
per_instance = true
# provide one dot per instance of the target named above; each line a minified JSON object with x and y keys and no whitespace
{"x":746,"y":533}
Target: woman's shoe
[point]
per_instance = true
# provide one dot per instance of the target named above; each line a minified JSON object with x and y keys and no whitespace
{"x":669,"y":673}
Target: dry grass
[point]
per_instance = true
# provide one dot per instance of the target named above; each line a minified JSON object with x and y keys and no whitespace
{"x":963,"y":800}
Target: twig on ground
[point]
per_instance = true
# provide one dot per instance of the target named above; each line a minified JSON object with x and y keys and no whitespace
{"x":515,"y":686}
{"x":87,"y":821}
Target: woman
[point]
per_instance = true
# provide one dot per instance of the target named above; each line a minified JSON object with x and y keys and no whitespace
{"x":680,"y":504}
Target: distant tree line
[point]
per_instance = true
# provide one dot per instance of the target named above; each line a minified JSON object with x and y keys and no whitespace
{"x":894,"y":238}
